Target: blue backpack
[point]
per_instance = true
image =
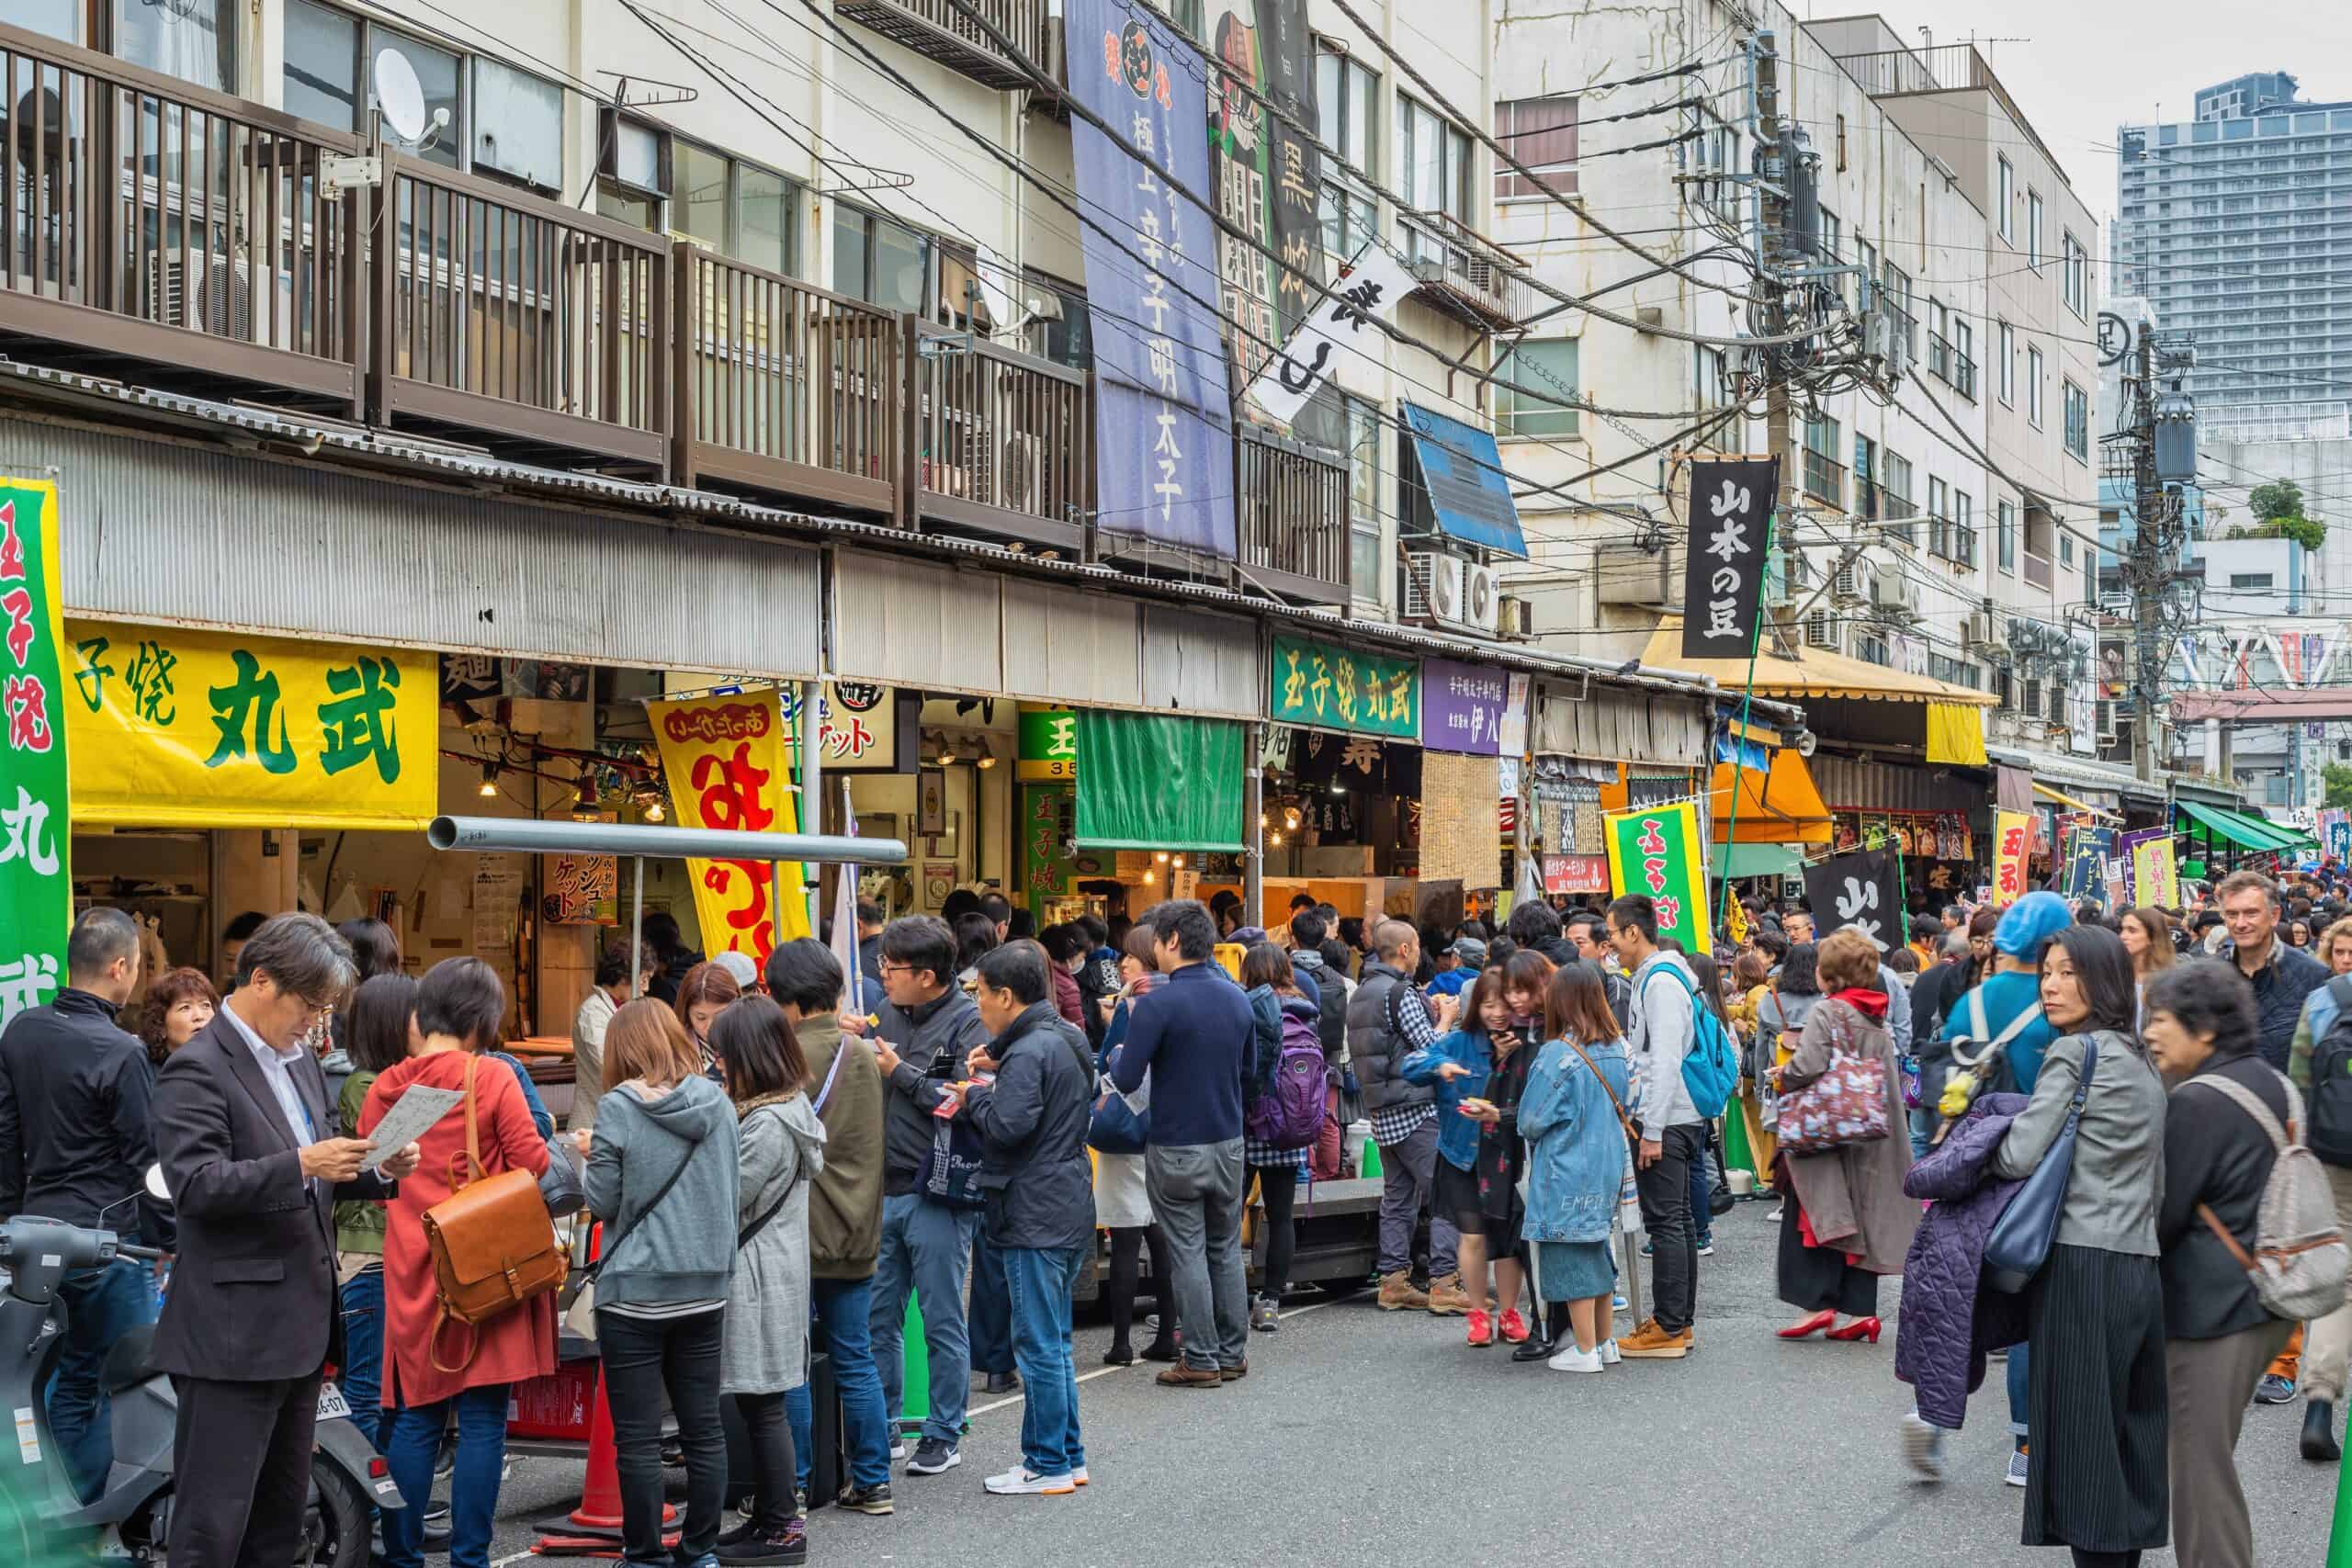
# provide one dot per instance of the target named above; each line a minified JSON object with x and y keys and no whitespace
{"x":1710,"y":1068}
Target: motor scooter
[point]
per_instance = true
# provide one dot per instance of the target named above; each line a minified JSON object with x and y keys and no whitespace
{"x":130,"y":1520}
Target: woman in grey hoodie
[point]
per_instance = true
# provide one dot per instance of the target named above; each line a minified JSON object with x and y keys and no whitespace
{"x":663,"y":1175}
{"x":782,"y":1145}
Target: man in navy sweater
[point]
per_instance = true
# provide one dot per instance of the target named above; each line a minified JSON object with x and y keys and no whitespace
{"x":1197,"y":1033}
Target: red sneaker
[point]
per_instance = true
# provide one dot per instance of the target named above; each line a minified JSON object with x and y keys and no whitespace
{"x":1514,"y":1328}
{"x":1482,"y":1328}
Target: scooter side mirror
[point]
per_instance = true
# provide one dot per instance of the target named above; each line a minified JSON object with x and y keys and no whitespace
{"x":155,"y":1187}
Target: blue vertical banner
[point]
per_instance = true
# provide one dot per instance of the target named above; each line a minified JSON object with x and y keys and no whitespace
{"x":1163,"y":420}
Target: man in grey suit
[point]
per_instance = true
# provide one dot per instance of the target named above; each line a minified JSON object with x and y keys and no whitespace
{"x":244,"y":1131}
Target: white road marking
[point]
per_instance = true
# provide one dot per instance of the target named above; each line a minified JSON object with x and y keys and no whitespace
{"x":1099,"y":1373}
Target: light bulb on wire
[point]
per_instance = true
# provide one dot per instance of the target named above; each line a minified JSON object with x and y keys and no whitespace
{"x":490,"y":780}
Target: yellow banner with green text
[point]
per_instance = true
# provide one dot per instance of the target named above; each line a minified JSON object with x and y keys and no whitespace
{"x":174,"y":728}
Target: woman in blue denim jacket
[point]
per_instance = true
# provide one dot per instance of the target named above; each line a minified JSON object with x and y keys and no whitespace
{"x":1573,"y":1119}
{"x":1460,"y":1064}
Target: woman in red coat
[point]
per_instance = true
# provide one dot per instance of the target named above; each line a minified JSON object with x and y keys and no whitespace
{"x":458,"y":1011}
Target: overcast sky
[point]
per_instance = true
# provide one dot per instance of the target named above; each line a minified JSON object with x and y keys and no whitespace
{"x":2086,"y":66}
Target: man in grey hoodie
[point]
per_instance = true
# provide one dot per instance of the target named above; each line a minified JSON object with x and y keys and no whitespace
{"x":1673,"y":1134}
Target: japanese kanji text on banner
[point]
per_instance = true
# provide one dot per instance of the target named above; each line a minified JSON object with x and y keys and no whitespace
{"x":1722,"y":572}
{"x":1658,"y":852}
{"x":723,"y":761}
{"x":2155,"y":879}
{"x":36,"y":882}
{"x":2012,"y":843}
{"x":176,"y":728}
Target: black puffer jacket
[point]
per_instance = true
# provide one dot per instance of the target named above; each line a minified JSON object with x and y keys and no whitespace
{"x":1033,"y":1119}
{"x":2215,"y":1155}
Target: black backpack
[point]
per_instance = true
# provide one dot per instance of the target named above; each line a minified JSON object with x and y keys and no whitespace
{"x":2330,"y":1113}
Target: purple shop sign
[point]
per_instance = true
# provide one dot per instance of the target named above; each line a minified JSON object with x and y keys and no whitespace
{"x":1462,"y":707}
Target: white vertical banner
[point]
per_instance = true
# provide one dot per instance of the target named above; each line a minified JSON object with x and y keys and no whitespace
{"x":1374,"y":282}
{"x":844,"y":943}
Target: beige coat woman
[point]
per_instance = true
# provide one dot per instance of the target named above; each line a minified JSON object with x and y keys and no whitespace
{"x":1853,"y":1195}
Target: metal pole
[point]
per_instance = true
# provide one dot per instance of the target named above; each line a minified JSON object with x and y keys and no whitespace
{"x":1253,"y":806}
{"x":812,"y":803}
{"x":636,"y":932}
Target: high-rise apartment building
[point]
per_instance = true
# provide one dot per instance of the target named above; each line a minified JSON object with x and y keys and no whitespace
{"x":2233,"y":225}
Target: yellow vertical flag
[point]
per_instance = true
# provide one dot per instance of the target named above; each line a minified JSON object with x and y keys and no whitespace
{"x":724,"y":761}
{"x":2012,"y":843}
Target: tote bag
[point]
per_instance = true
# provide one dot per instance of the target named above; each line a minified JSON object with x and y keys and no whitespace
{"x":2021,"y":1237}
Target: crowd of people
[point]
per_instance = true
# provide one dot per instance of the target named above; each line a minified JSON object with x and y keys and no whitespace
{"x":783,"y":1159}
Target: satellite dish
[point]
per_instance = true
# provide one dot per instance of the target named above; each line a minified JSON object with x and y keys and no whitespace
{"x":399,"y":96}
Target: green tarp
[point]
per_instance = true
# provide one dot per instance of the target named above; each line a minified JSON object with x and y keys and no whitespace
{"x":1757,"y":859}
{"x":1159,"y":782}
{"x":2215,"y":825}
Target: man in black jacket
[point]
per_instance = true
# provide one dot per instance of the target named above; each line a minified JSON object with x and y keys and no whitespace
{"x":928,"y":1029}
{"x":75,"y":1146}
{"x":242,"y":1123}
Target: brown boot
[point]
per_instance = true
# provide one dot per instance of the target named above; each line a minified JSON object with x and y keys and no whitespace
{"x":1447,"y":1298}
{"x":1396,"y":1293}
{"x":1649,"y":1342}
{"x":1182,"y":1376}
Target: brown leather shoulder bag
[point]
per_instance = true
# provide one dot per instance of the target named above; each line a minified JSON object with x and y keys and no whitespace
{"x":492,"y":1245}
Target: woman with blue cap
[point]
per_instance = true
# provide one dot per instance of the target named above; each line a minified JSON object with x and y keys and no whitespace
{"x":1997,"y":1032}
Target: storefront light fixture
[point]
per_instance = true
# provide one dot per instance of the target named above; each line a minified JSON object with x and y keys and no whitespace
{"x":653,"y":812}
{"x":488,"y":781}
{"x":587,"y":808}
{"x":1161,"y":856}
{"x":1178,"y":862}
{"x":1276,"y":840}
{"x":1149,"y":877}
{"x":1290,"y":818}
{"x":987,"y":757}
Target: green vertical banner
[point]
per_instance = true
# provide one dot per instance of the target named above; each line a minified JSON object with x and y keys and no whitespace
{"x":36,"y":882}
{"x":1656,"y":851}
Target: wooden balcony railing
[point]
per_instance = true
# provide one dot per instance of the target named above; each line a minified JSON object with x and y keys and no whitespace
{"x":998,"y":441}
{"x":938,"y":30}
{"x":783,"y":387}
{"x":143,"y":218}
{"x":1464,"y":273}
{"x":1292,"y":513}
{"x":500,"y":315}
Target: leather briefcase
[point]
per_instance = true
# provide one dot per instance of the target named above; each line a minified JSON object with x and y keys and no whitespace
{"x":492,"y":1245}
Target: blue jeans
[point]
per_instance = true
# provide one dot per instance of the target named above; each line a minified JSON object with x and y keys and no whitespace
{"x":1039,"y":1281}
{"x":926,"y":1247}
{"x":473,"y":1484}
{"x":1923,"y":1128}
{"x":2019,"y":1365}
{"x":842,"y":1326}
{"x":991,"y":1312}
{"x":362,"y":1374}
{"x":101,"y":1306}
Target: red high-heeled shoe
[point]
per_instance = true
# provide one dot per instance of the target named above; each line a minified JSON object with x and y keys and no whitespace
{"x":1811,"y":1326}
{"x":1861,"y":1328}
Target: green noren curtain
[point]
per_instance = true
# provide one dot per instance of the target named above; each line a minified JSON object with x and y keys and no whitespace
{"x":1159,"y":782}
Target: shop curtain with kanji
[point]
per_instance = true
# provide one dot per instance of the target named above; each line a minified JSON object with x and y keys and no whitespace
{"x":1159,"y":782}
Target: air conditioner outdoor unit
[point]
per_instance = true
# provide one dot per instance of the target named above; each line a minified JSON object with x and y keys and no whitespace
{"x":214,"y":294}
{"x":1480,"y":593}
{"x":2107,"y":731}
{"x":1515,"y":616}
{"x":1021,"y":481}
{"x":1821,"y":630}
{"x":1858,"y":580}
{"x":1893,"y":591}
{"x":1976,"y":631}
{"x":1433,"y":587}
{"x":1885,"y":336}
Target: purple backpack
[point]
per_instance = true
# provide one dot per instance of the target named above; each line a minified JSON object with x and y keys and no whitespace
{"x":1288,"y":1114}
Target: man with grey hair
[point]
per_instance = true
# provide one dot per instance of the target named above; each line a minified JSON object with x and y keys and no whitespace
{"x":75,"y":1146}
{"x":243,"y":1122}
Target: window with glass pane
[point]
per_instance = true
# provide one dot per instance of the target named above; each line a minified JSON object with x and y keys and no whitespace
{"x":2007,"y":369}
{"x":767,"y":218}
{"x":1542,"y":134}
{"x":2033,"y":253}
{"x":2005,"y":199}
{"x":2007,"y":528}
{"x":1059,"y":327}
{"x":2077,"y":410}
{"x":1365,"y":560}
{"x":880,"y":262}
{"x":698,"y":194}
{"x":1346,"y":93}
{"x":518,"y":125}
{"x":194,"y":40}
{"x":960,"y":294}
{"x":322,"y":75}
{"x":2033,"y":387}
{"x":60,"y":19}
{"x":1531,"y":388}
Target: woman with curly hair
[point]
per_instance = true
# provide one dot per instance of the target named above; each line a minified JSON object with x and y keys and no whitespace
{"x":178,"y":1004}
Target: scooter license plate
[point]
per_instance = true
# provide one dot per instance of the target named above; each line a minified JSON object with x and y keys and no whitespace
{"x":333,"y":1406}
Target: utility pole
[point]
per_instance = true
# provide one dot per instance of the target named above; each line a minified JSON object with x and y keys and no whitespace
{"x":1771,"y":208}
{"x":2162,"y":438}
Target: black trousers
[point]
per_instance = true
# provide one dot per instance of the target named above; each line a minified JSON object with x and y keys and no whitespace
{"x":1278,"y":1191}
{"x":1127,"y":1246}
{"x":1665,"y":1191}
{"x":775,"y":1466}
{"x":645,"y":1358}
{"x":241,"y":1470}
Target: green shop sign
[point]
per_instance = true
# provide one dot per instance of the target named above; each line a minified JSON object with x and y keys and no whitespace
{"x":1048,"y":746}
{"x":36,"y":884}
{"x":1341,"y":688}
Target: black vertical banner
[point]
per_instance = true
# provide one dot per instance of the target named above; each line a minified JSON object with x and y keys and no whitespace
{"x":1856,"y":890}
{"x":1722,"y":563}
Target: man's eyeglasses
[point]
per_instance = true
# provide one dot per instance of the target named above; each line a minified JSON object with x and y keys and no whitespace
{"x":888,"y":967}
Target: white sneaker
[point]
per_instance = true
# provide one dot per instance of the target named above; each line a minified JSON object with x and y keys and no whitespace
{"x":1575,"y":1360}
{"x":1923,"y":1445}
{"x":1079,"y":1476}
{"x":2018,"y":1468}
{"x":1021,"y":1482}
{"x":898,"y":1449}
{"x":1610,"y":1354}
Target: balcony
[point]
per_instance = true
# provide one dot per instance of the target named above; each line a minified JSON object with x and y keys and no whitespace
{"x":937,"y":31}
{"x":149,"y":222}
{"x":1463,"y":273}
{"x":1292,"y":516}
{"x":1000,"y":442}
{"x":1953,"y":368}
{"x":1824,"y":478}
{"x":784,"y":388}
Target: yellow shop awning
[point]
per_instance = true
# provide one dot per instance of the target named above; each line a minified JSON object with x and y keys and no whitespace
{"x":2070,"y":804}
{"x":1815,"y":673}
{"x":1779,"y":807}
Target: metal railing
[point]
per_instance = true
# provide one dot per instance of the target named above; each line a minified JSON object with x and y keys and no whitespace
{"x":938,"y":30}
{"x":1824,"y":478}
{"x":1463,"y":273}
{"x":1964,"y":375}
{"x":146,"y":217}
{"x":497,"y":311}
{"x":1292,"y":513}
{"x":785,"y":387}
{"x":998,"y":440}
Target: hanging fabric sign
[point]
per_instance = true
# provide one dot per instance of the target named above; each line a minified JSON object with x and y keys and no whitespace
{"x":178,"y":728}
{"x":1356,"y":304}
{"x":1856,"y":890}
{"x":36,"y":880}
{"x":723,"y":761}
{"x":1159,"y":782}
{"x":2087,"y":845}
{"x":1658,"y":853}
{"x":2012,"y":843}
{"x":1724,"y":560}
{"x":2153,"y":875}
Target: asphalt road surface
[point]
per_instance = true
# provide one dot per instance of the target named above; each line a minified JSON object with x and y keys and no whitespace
{"x":1370,"y":1438}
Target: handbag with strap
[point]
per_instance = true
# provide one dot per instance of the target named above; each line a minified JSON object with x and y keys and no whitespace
{"x":1847,"y":1104}
{"x":2021,"y":1237}
{"x":493,"y":1243}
